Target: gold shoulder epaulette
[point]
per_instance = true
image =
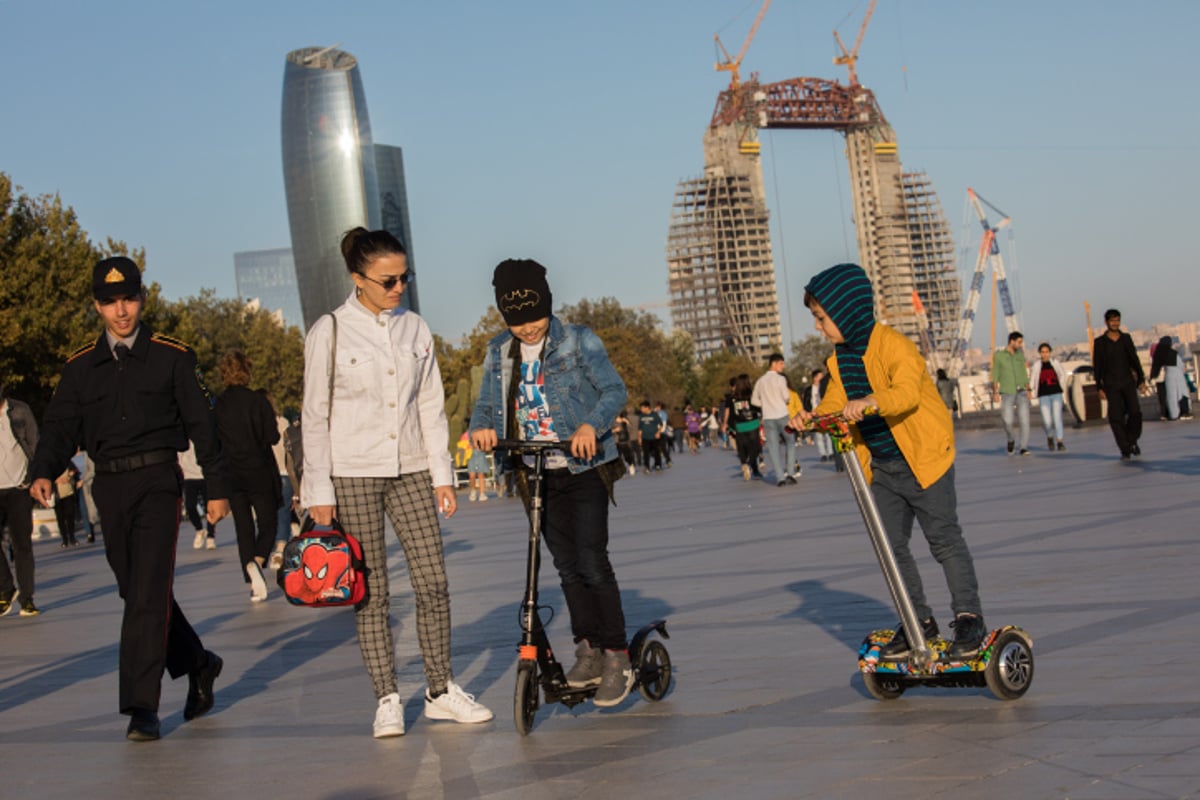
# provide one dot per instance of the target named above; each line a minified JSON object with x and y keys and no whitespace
{"x":170,"y":341}
{"x":87,"y":348}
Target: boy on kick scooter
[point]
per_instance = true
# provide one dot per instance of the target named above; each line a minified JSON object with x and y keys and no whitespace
{"x":906,"y":447}
{"x":546,"y":380}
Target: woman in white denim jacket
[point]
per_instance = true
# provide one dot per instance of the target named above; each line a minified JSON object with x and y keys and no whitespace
{"x":376,"y":443}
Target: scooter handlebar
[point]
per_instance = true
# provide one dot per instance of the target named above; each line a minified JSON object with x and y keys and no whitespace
{"x":521,"y":447}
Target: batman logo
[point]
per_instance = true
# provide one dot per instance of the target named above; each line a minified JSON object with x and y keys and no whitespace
{"x":519,"y":299}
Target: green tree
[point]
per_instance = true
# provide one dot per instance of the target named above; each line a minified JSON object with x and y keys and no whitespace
{"x":808,"y":354}
{"x":715,"y":372}
{"x":46,"y":310}
{"x":637,"y":347}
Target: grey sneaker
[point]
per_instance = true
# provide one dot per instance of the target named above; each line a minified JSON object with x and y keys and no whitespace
{"x":589,"y":662}
{"x":616,"y":679}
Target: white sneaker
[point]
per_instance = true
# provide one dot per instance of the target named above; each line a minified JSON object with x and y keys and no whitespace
{"x":483,"y":497}
{"x":258,"y":585}
{"x":455,"y":704}
{"x":198,"y":541}
{"x":632,"y":469}
{"x":210,"y":543}
{"x":389,"y":717}
{"x":474,"y":494}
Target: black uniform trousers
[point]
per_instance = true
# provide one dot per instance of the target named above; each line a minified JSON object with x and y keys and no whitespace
{"x":139,"y":511}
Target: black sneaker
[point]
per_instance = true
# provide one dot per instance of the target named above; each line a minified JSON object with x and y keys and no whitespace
{"x":28,"y":609}
{"x":1062,"y":448}
{"x":1137,"y":451}
{"x":1024,"y":451}
{"x":1010,"y":447}
{"x":899,"y":646}
{"x":968,"y":635}
{"x":6,"y":601}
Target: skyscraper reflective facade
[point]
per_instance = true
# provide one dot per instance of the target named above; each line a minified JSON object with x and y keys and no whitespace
{"x":269,"y":276}
{"x":329,"y":171}
{"x":393,"y":207}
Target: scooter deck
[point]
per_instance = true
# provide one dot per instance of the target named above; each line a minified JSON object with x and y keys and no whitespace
{"x":870,"y":660}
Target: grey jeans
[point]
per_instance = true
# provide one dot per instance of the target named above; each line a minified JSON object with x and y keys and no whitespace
{"x":1019,"y":402}
{"x":901,"y":500}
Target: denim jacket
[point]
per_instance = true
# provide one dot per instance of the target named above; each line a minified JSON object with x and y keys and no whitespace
{"x":581,"y":386}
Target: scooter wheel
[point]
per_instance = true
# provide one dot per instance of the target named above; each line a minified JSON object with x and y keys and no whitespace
{"x":654,"y":671}
{"x":883,"y":686}
{"x":1010,"y":670}
{"x":525,"y":698}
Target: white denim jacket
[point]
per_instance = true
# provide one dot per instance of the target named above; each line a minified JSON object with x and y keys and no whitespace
{"x":388,"y":414}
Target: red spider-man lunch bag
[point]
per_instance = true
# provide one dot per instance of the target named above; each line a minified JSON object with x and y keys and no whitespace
{"x":323,"y":566}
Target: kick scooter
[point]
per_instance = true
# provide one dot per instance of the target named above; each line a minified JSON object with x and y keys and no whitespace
{"x":536,"y":664}
{"x":1004,"y":661}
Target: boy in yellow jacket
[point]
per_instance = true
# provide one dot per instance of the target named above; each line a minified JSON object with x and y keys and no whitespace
{"x":906,"y":448}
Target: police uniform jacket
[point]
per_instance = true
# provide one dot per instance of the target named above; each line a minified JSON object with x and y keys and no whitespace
{"x":154,"y":400}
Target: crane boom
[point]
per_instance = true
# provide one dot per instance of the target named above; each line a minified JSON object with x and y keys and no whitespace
{"x":731,"y":65}
{"x":850,"y":57}
{"x":989,"y":253}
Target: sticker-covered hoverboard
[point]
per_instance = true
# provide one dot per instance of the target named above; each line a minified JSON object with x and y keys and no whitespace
{"x":1004,"y":660}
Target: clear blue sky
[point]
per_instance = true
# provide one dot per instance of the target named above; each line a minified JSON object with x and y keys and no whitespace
{"x":558,"y":130}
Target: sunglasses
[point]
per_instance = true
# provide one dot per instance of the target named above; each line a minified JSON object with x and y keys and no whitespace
{"x":390,"y":281}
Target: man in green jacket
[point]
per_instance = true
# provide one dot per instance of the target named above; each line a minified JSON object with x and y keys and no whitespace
{"x":1010,"y":382}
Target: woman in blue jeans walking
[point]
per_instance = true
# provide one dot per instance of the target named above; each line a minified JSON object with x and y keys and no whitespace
{"x":1047,"y":382}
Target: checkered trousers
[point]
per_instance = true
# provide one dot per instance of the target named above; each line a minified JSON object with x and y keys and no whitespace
{"x":409,"y":503}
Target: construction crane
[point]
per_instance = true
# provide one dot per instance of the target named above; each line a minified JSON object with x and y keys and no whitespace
{"x":731,"y":65}
{"x":924,"y":332}
{"x":989,"y":253}
{"x":747,"y":131}
{"x":850,"y":57}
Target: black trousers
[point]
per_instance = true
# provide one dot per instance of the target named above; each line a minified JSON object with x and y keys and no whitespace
{"x":139,"y":511}
{"x":576,"y":534}
{"x":195,"y":501}
{"x":1124,"y":416}
{"x":16,"y":513}
{"x":253,"y":510}
{"x":64,"y":515}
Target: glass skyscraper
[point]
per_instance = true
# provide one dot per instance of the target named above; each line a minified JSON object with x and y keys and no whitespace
{"x":393,"y":207}
{"x":269,"y":276}
{"x":329,"y":172}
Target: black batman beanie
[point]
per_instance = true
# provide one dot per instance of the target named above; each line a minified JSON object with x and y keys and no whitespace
{"x":522,"y":293}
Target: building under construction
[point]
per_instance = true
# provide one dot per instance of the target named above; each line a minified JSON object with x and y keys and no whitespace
{"x":720,"y":270}
{"x":904,"y":242}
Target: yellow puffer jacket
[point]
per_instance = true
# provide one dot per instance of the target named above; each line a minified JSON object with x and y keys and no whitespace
{"x":908,"y":400}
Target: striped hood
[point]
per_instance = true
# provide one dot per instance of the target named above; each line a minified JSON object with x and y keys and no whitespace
{"x":844,"y":291}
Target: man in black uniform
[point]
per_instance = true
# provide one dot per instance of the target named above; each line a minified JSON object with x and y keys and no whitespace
{"x":133,"y":399}
{"x":1116,"y":365}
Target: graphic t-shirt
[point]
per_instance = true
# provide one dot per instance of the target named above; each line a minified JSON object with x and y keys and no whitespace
{"x":744,"y":415}
{"x":648,"y":425}
{"x":1048,"y":380}
{"x":533,"y":412}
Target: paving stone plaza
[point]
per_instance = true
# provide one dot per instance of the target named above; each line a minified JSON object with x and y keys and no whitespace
{"x":767,"y":594}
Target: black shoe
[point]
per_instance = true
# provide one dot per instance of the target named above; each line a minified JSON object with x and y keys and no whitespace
{"x":28,"y":609}
{"x":1024,"y":452}
{"x":1062,"y":448}
{"x":91,"y":538}
{"x":968,"y":635}
{"x":1126,"y":457}
{"x":1010,"y":448}
{"x":791,"y":479}
{"x":143,"y":726}
{"x":899,"y":646}
{"x":1050,"y":443}
{"x":200,"y":687}
{"x":1137,"y":451}
{"x":781,"y":484}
